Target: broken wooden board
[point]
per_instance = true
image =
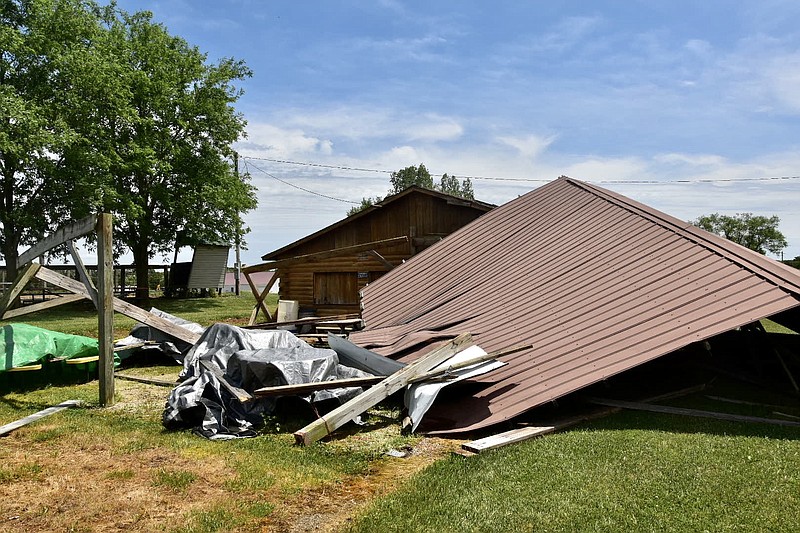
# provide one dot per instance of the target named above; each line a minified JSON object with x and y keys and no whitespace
{"x":129,"y":310}
{"x":23,"y":278}
{"x":371,"y":397}
{"x":666,"y":409}
{"x":239,"y":393}
{"x":8,"y":428}
{"x":507,"y":437}
{"x":55,"y":302}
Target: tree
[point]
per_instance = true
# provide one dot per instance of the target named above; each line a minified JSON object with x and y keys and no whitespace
{"x":451,"y":185}
{"x":43,"y":46}
{"x":759,"y":233}
{"x":419,"y":176}
{"x":405,"y":178}
{"x":171,"y":171}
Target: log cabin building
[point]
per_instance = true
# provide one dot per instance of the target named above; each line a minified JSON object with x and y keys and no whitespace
{"x":325,"y":271}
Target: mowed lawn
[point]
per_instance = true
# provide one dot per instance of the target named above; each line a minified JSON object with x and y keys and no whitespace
{"x":117,"y":469}
{"x":629,"y":472}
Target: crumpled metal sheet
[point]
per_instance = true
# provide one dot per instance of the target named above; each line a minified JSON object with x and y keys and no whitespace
{"x":420,"y":396}
{"x":250,"y":359}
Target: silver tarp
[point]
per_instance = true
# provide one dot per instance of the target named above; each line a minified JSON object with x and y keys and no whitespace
{"x":249,"y":359}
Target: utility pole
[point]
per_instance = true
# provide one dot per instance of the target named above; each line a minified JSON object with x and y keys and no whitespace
{"x":237,"y":274}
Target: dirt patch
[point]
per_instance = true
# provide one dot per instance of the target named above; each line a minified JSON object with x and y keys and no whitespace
{"x":75,"y":482}
{"x":329,"y":508}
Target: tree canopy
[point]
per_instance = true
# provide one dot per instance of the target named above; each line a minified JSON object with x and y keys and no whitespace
{"x":418,"y":175}
{"x":759,"y":233}
{"x":116,"y":114}
{"x":44,"y":45}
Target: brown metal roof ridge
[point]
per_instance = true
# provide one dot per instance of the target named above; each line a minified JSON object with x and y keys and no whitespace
{"x":596,"y":282}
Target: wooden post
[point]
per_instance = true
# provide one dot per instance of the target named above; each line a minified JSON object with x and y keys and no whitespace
{"x":105,"y":311}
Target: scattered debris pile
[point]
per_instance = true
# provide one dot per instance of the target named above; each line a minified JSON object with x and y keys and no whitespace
{"x":228,"y":364}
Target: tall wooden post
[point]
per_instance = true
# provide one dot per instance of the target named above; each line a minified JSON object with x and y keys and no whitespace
{"x":105,"y":311}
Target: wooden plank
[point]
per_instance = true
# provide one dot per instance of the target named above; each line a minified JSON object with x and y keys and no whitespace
{"x":82,"y":273}
{"x":55,"y":302}
{"x":327,"y":254}
{"x":240,"y":394}
{"x":63,"y":234}
{"x":149,"y":381}
{"x":129,"y":310}
{"x":23,"y":278}
{"x":666,"y":409}
{"x":349,"y":410}
{"x":302,"y":389}
{"x":8,"y":428}
{"x":507,"y":437}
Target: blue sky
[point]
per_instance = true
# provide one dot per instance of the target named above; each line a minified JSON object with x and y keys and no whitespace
{"x":602,"y":91}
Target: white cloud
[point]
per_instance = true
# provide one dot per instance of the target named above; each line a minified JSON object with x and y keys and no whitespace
{"x":529,"y":146}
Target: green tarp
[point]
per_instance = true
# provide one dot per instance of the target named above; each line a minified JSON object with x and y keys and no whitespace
{"x":26,"y":344}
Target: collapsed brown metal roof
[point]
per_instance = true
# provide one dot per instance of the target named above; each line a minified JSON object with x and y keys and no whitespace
{"x":598,"y":283}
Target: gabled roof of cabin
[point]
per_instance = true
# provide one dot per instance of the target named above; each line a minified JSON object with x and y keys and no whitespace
{"x":596,"y":282}
{"x":369,"y":211}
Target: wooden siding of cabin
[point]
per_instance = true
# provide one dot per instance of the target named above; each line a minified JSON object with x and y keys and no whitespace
{"x":415,"y":216}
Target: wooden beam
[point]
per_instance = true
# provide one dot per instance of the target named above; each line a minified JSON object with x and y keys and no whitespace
{"x":55,"y":302}
{"x":149,"y":381}
{"x":381,"y":259}
{"x":335,"y":252}
{"x":260,"y":297}
{"x":666,"y":409}
{"x":239,"y":393}
{"x":391,"y":384}
{"x":129,"y":310}
{"x":8,"y":428}
{"x":82,"y":273}
{"x":104,"y":300}
{"x":63,"y":234}
{"x":23,"y":278}
{"x":302,"y":389}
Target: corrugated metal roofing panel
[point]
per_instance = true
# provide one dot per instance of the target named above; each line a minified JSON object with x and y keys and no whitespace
{"x":597,"y":282}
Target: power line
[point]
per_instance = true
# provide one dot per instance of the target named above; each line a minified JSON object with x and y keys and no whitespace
{"x":299,"y":187}
{"x":530,"y":180}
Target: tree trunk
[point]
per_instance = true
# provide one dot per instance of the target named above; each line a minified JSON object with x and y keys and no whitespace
{"x":10,"y":253}
{"x":141,"y":259}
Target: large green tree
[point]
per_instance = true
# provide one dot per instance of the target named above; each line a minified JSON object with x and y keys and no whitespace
{"x":105,"y":110}
{"x":43,"y":47}
{"x":757,"y":232}
{"x":171,"y":171}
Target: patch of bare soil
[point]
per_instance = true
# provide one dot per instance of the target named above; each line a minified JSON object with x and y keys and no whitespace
{"x":329,"y":508}
{"x":83,"y":483}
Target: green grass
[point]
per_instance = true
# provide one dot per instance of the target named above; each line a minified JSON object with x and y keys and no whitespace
{"x":629,"y":472}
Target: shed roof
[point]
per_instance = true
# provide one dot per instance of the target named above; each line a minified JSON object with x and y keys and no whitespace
{"x":366,"y":213}
{"x":598,"y":283}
